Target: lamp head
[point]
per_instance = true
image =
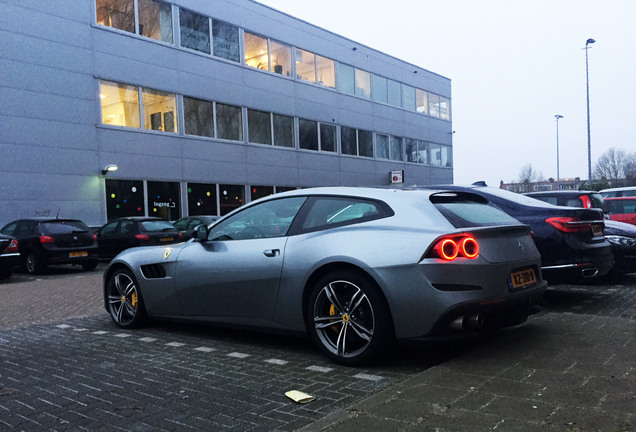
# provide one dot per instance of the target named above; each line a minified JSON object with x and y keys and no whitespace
{"x":589,"y":41}
{"x":109,"y":168}
{"x":558,"y":116}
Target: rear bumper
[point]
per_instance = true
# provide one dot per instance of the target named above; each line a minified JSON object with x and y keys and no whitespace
{"x":9,"y":261}
{"x":593,"y":265}
{"x":65,"y":256}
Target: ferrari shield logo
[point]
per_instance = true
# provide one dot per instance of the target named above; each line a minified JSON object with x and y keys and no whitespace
{"x":166,"y":254}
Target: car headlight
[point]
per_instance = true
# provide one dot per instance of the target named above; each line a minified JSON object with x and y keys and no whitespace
{"x":620,"y":240}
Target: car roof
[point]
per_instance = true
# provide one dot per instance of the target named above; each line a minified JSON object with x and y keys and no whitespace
{"x":562,"y":192}
{"x":47,"y":219}
{"x":619,"y":189}
{"x":622,"y":198}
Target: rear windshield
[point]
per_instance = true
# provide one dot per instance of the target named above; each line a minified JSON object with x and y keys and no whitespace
{"x":157,"y":225}
{"x":64,"y":227}
{"x":467,"y":210}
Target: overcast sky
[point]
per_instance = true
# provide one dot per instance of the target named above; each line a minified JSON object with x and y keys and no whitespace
{"x":514,"y":65}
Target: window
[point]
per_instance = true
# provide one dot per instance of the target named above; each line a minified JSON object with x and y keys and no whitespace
{"x":124,"y":198}
{"x":305,"y":65}
{"x":365,"y":143}
{"x":330,"y":212}
{"x":396,"y":149}
{"x":328,"y":137}
{"x":202,"y":199}
{"x":163,"y":200}
{"x":326,"y":69}
{"x":346,"y":79}
{"x":257,"y":192}
{"x":308,"y":134}
{"x":433,"y":105}
{"x":159,"y":110}
{"x":265,"y":220}
{"x":120,"y":104}
{"x":379,"y":89}
{"x":199,"y":117}
{"x":155,"y":20}
{"x":446,"y":156}
{"x":408,"y":97}
{"x":284,"y":131}
{"x":229,"y":122}
{"x":395,"y":95}
{"x":422,"y":153}
{"x":444,"y":108}
{"x":363,"y":83}
{"x":348,"y":141}
{"x":195,"y":31}
{"x":225,"y":40}
{"x":416,"y":151}
{"x":231,"y":197}
{"x":421,"y":103}
{"x":436,"y":154}
{"x":259,"y":127}
{"x":119,"y":14}
{"x":382,"y":146}
{"x":256,"y":54}
{"x":281,"y":58}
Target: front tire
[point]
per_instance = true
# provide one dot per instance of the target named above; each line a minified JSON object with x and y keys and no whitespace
{"x":348,"y":318}
{"x":125,"y":304}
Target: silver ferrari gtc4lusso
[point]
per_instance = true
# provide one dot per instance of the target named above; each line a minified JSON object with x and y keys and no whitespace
{"x":356,"y":268}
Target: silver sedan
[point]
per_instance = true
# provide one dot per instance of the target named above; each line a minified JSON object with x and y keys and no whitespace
{"x":356,"y":268}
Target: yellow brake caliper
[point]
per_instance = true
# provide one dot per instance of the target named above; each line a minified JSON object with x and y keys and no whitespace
{"x":133,"y":300}
{"x":333,"y":313}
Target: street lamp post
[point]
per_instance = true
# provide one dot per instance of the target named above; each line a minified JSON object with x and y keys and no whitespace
{"x":557,"y":117}
{"x":587,"y":85}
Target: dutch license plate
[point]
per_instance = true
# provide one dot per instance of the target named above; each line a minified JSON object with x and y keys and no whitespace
{"x":165,"y":239}
{"x":597,"y":230}
{"x":77,"y":254}
{"x":523,"y":278}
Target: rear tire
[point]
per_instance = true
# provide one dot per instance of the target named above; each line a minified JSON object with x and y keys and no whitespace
{"x":33,"y":264}
{"x":347,"y":317}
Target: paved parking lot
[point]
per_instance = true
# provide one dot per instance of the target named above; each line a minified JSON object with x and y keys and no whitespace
{"x":65,"y":366}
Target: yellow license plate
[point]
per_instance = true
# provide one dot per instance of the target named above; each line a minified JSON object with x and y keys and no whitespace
{"x":165,"y":239}
{"x":77,"y":254}
{"x":597,"y":230}
{"x":523,"y":278}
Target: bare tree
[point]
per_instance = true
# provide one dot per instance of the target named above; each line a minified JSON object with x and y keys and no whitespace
{"x":529,"y":175}
{"x":615,"y":164}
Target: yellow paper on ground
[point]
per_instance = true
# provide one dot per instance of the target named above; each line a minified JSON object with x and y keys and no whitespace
{"x":299,"y":397}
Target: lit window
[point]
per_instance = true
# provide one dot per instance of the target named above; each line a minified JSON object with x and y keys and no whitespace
{"x":229,"y":122}
{"x":225,"y":41}
{"x":256,"y":52}
{"x":155,"y":20}
{"x":308,"y":134}
{"x":421,"y":103}
{"x":120,"y":104}
{"x":382,"y":146}
{"x":379,"y":89}
{"x":119,"y":14}
{"x":305,"y":65}
{"x":327,"y":137}
{"x":259,"y":127}
{"x":326,"y":69}
{"x":408,"y":97}
{"x":159,"y":110}
{"x":195,"y":31}
{"x":199,"y":117}
{"x":283,"y":131}
{"x":346,"y":79}
{"x":363,"y":83}
{"x":281,"y":58}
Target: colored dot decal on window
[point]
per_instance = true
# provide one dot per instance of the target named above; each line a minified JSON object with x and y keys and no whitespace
{"x":112,"y":196}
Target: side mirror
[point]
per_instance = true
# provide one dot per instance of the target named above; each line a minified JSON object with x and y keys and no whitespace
{"x":201,"y":233}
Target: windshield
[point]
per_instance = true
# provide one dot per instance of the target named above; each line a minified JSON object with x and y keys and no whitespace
{"x":64,"y":227}
{"x":465,"y":210}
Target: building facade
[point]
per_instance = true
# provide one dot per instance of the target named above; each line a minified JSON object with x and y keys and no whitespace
{"x":200,"y":106}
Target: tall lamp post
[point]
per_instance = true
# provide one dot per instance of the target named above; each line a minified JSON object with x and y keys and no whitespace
{"x":587,"y":85}
{"x":557,"y":117}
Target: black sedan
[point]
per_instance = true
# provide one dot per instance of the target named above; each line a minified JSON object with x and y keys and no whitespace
{"x":9,"y":255}
{"x":127,"y":232}
{"x":571,"y":198}
{"x":570,"y":240}
{"x":187,"y":224}
{"x":47,"y":241}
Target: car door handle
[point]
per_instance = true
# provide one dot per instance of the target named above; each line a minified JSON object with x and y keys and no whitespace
{"x":271,"y":252}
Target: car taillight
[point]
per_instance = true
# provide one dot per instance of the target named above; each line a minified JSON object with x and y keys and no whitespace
{"x":46,"y":239}
{"x":13,"y":246}
{"x":449,"y":248}
{"x":142,"y":237}
{"x":94,"y":237}
{"x":569,"y":224}
{"x":587,"y":202}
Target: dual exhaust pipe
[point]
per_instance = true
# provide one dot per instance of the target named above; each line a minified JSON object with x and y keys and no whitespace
{"x":468,"y":322}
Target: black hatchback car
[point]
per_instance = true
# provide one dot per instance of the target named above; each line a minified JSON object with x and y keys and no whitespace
{"x":571,"y":240}
{"x":46,"y":241}
{"x":9,"y":255}
{"x":127,"y":232}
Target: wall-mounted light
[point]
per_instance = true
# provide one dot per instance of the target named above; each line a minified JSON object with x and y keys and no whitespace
{"x":109,"y":168}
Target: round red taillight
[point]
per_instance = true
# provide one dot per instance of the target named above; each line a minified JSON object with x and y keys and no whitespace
{"x":447,"y":249}
{"x":470,"y":247}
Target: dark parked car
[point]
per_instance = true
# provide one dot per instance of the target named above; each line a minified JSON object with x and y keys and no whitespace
{"x":9,"y":255}
{"x":187,"y":224}
{"x":570,"y":198}
{"x":46,"y":241}
{"x":629,"y":191}
{"x":570,"y":240}
{"x":127,"y":232}
{"x":622,"y":237}
{"x":622,"y":209}
{"x":355,"y":268}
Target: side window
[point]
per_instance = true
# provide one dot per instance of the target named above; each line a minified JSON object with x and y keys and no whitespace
{"x":9,"y":229}
{"x":328,"y":212}
{"x":268,"y":219}
{"x":108,"y":229}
